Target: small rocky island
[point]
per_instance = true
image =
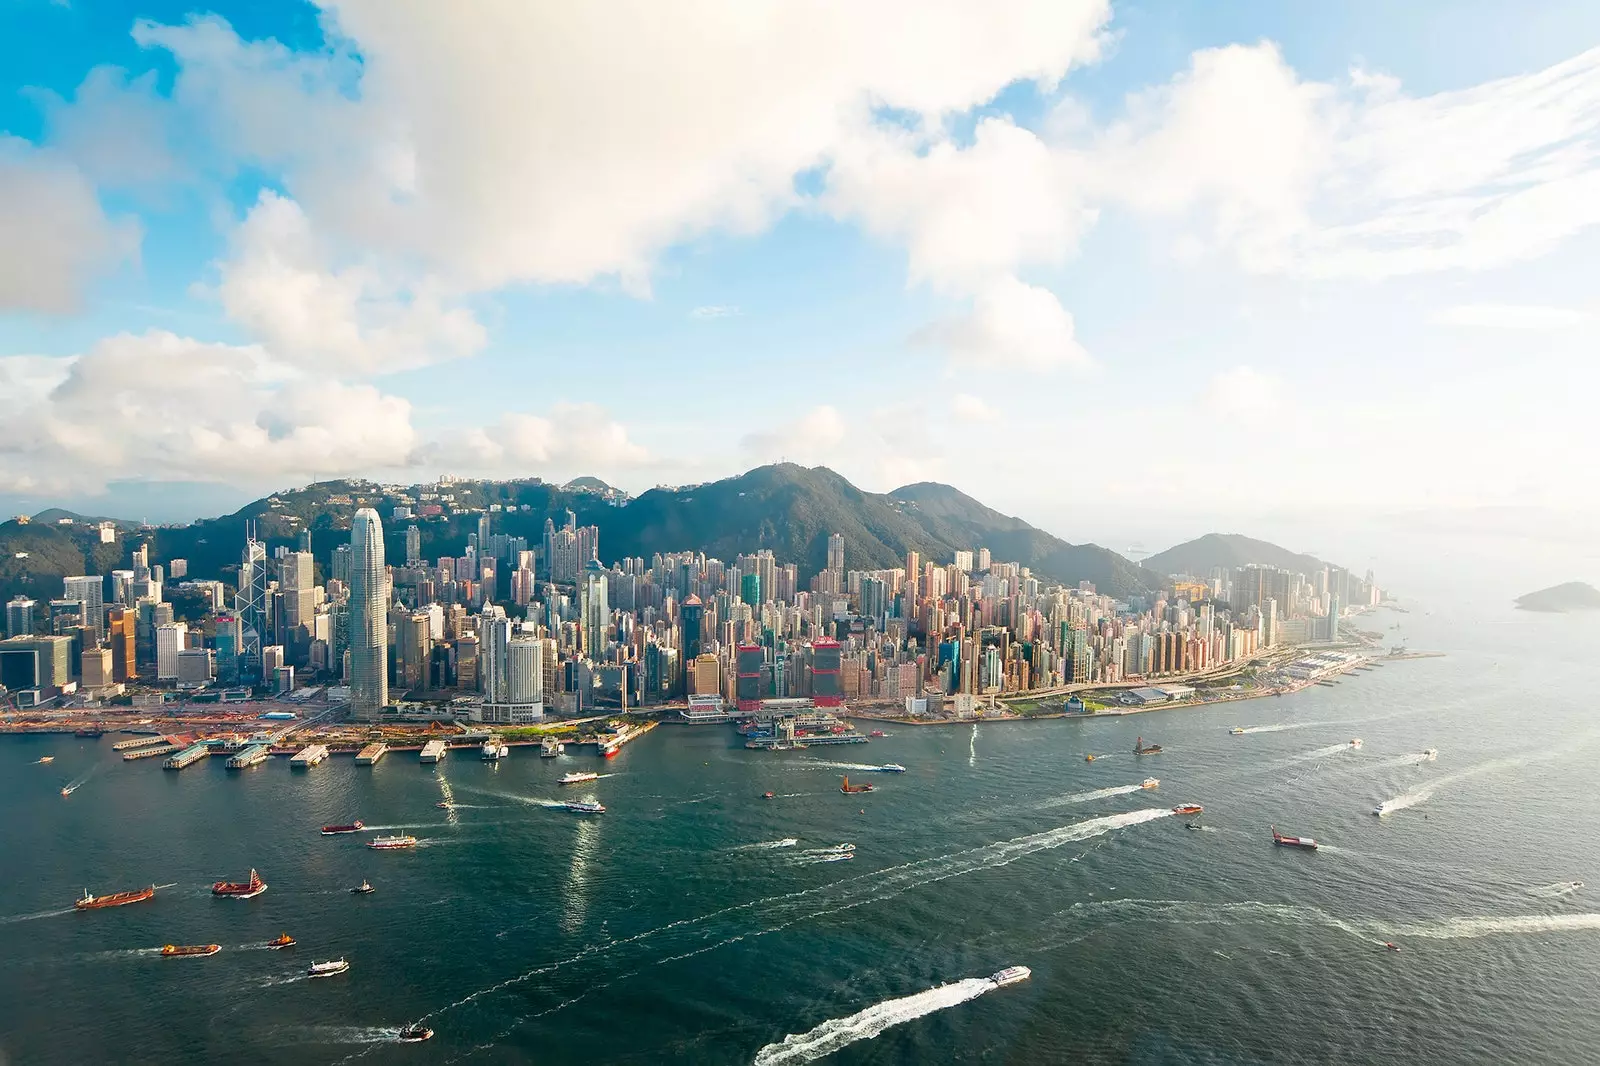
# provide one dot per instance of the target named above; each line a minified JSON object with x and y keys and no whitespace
{"x":1559,"y":599}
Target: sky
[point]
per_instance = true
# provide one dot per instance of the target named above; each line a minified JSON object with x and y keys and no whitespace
{"x":1319,"y":273}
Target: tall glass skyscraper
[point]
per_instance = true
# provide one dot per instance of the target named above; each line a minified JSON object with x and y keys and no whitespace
{"x":369,"y":618}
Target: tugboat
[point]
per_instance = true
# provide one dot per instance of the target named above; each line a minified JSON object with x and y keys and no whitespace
{"x":172,"y":951}
{"x":848,"y":789}
{"x":327,"y":969}
{"x":334,"y":830}
{"x":363,"y":888}
{"x":1139,"y":748}
{"x":283,"y":940}
{"x":1292,"y":842}
{"x":115,"y":899}
{"x":1187,"y":808}
{"x":240,"y":889}
{"x":415,"y":1034}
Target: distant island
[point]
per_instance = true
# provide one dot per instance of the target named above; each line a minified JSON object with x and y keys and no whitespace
{"x":1559,"y":599}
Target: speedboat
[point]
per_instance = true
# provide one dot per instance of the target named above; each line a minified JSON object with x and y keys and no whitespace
{"x":327,"y":969}
{"x":1088,"y":758}
{"x":876,"y":733}
{"x":414,"y":1034}
{"x":444,"y":805}
{"x":766,"y":795}
{"x":841,"y":848}
{"x":46,"y":760}
{"x":1430,"y":754}
{"x":1151,"y":782}
{"x":281,"y":941}
{"x":1237,"y":731}
{"x":362,"y":889}
{"x":1391,"y":945}
{"x":1355,"y":742}
{"x":1380,"y":810}
{"x":891,"y":768}
{"x":1011,"y":975}
{"x":1192,"y":825}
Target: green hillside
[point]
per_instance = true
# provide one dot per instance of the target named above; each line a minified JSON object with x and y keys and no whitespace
{"x":1195,"y":558}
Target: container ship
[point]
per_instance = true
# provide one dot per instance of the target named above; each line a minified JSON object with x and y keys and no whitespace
{"x":848,"y":789}
{"x":1140,"y":748}
{"x":115,"y":899}
{"x":240,"y":889}
{"x":392,"y":842}
{"x":334,"y":830}
{"x":172,"y":951}
{"x":1292,"y":842}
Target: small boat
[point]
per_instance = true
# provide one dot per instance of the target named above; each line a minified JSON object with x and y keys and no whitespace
{"x":1187,"y":808}
{"x":841,"y":848}
{"x":1391,"y":945}
{"x":578,"y":778}
{"x":283,"y":940}
{"x":876,"y":733}
{"x":390,"y":843}
{"x":114,"y":899}
{"x":1141,"y":748}
{"x":46,"y":760}
{"x":1237,"y":731}
{"x":1192,"y":825}
{"x":415,"y":1034}
{"x":766,"y":795}
{"x":327,"y":969}
{"x":240,"y":889}
{"x":1430,"y":754}
{"x":891,"y":768}
{"x":1088,"y":758}
{"x":494,"y":750}
{"x":1355,"y":742}
{"x":585,"y":807}
{"x":362,"y":889}
{"x":444,"y":805}
{"x":334,"y":830}
{"x":550,"y":747}
{"x":1292,"y":842}
{"x":847,"y":788}
{"x":1381,"y":809}
{"x":185,"y":950}
{"x":1151,"y":782}
{"x":1010,"y":975}
{"x":68,"y":790}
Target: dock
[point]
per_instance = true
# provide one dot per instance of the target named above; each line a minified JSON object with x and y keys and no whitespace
{"x":138,"y":742}
{"x":255,"y":753}
{"x":433,"y":751}
{"x":188,"y":756}
{"x":308,"y":756}
{"x":369,"y":755}
{"x":151,"y":752}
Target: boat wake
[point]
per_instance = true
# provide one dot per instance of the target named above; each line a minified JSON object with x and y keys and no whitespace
{"x":14,"y":918}
{"x":1555,"y":891}
{"x":824,"y":763}
{"x":1284,"y":727}
{"x":1460,"y":928}
{"x":837,"y":1033}
{"x":1090,"y":797}
{"x":811,"y":858}
{"x":764,"y":845}
{"x":352,"y":1034}
{"x":1318,"y":753}
{"x":447,"y":794}
{"x":1422,"y":795}
{"x":972,"y":748}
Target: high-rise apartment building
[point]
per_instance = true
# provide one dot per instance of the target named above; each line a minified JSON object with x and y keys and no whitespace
{"x":836,"y":552}
{"x":19,"y":617}
{"x":369,"y":623}
{"x":414,"y":545}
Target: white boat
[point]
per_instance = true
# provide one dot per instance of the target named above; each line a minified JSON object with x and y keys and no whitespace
{"x":585,"y":807}
{"x":391,"y":842}
{"x":495,"y":749}
{"x":1355,"y":742}
{"x":1430,"y":753}
{"x":1380,"y":810}
{"x":1151,"y":782}
{"x":1237,"y":731}
{"x":578,"y":778}
{"x":891,"y":768}
{"x":841,"y":848}
{"x":1011,"y":975}
{"x":550,"y":747}
{"x":327,"y":969}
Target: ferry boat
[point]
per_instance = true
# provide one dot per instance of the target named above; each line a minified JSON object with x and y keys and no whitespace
{"x":1140,"y":748}
{"x":334,"y":830}
{"x":1187,"y":808}
{"x":1010,"y":975}
{"x":1237,"y":731}
{"x":891,"y":768}
{"x":283,"y":940}
{"x":578,"y":778}
{"x":1292,"y":842}
{"x":390,"y":843}
{"x":327,"y":969}
{"x":115,"y":899}
{"x":362,"y":889}
{"x":182,"y":950}
{"x":240,"y":889}
{"x":1150,"y":782}
{"x":415,"y":1034}
{"x":847,"y":788}
{"x":585,"y":807}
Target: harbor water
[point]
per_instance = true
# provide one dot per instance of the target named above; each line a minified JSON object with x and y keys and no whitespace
{"x":696,"y":922}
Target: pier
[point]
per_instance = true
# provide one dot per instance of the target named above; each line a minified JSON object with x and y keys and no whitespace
{"x":433,"y":751}
{"x":255,"y":753}
{"x":150,"y":753}
{"x":138,"y":742}
{"x":369,"y":755}
{"x":308,"y":756}
{"x":609,"y":746}
{"x":188,"y":756}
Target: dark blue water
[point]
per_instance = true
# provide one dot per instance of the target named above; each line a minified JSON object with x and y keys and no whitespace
{"x":660,"y":932}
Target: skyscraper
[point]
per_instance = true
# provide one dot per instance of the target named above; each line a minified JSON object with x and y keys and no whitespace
{"x":250,"y":604}
{"x":91,"y":590}
{"x":369,"y":623}
{"x":692,"y":615}
{"x":836,"y":552}
{"x":19,"y":617}
{"x":413,"y":545}
{"x":596,"y":610}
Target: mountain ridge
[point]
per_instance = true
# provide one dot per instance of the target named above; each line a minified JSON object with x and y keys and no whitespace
{"x":1197,"y":557}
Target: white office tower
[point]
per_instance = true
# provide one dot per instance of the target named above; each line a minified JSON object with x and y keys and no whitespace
{"x":512,"y":668}
{"x":369,"y":622}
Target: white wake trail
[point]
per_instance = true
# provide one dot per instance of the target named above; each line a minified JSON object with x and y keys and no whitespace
{"x":1090,"y":797}
{"x":972,"y":750}
{"x":826,"y":764}
{"x":838,"y":1033}
{"x":761,"y":845}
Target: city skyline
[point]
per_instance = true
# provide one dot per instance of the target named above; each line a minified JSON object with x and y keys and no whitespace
{"x":935,"y":258}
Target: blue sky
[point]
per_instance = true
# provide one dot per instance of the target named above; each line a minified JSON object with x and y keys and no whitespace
{"x":1131,"y":271}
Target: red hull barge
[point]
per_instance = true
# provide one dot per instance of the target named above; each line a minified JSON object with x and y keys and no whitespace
{"x":240,"y":889}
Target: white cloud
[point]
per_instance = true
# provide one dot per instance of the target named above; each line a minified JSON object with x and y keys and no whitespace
{"x":966,"y":408}
{"x":813,"y":437}
{"x":278,"y":285}
{"x":1244,"y":391}
{"x":572,"y":439}
{"x":1011,"y":324}
{"x":715,"y":311}
{"x":1507,"y":316}
{"x":56,"y":238}
{"x":116,"y":129}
